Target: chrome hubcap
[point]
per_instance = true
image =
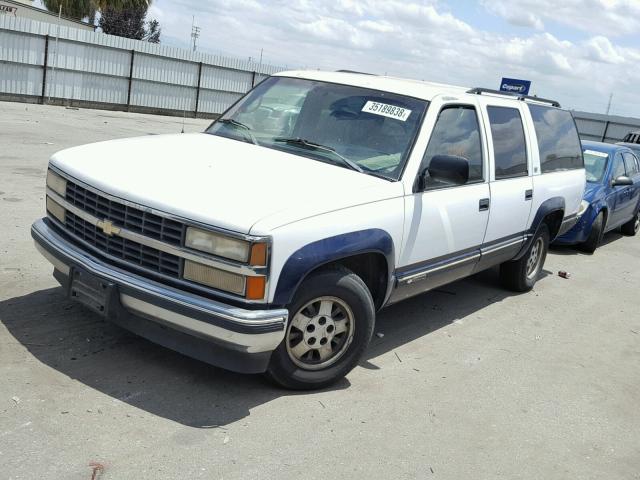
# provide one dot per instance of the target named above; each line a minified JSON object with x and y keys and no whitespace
{"x":636,"y":225}
{"x":535,"y":257}
{"x":320,"y":333}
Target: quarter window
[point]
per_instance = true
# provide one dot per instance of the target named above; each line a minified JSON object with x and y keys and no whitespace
{"x":631,"y":163}
{"x":618,"y":166}
{"x":509,"y":143}
{"x":457,"y":133}
{"x":558,"y":140}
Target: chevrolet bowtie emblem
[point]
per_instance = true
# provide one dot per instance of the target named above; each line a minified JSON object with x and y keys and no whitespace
{"x":108,"y":228}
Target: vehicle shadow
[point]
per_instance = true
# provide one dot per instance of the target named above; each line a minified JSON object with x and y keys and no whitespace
{"x":75,"y":342}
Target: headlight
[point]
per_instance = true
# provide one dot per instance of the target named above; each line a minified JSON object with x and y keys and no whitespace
{"x":56,"y":183}
{"x":252,"y":288}
{"x":56,"y":210}
{"x":583,"y":208}
{"x":214,"y":277}
{"x":217,"y":244}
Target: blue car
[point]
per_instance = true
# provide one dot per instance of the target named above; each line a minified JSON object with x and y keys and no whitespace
{"x":612,"y":196}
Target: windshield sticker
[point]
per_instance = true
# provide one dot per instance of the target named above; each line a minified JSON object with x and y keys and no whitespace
{"x":596,"y":154}
{"x":385,"y":110}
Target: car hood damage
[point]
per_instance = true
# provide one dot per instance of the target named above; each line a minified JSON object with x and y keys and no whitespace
{"x":220,"y":182}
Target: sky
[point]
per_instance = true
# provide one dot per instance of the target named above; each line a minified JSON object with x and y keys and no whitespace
{"x":574,"y":51}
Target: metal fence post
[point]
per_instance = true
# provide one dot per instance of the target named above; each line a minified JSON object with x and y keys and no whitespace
{"x":44,"y":68}
{"x":195,"y":113}
{"x":253,"y":79}
{"x":606,"y":129}
{"x":133,"y":56}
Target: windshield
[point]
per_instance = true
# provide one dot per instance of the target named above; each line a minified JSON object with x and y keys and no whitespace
{"x":595,"y":163}
{"x":351,"y":127}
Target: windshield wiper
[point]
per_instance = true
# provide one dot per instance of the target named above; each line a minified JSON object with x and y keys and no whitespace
{"x":236,"y":123}
{"x":317,"y":146}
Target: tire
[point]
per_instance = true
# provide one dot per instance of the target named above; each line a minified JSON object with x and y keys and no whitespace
{"x":595,"y":236}
{"x":632,"y":226}
{"x":332,"y":310}
{"x":522,"y":274}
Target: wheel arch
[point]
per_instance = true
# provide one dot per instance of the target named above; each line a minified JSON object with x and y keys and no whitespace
{"x":605,"y":211}
{"x":368,"y":253}
{"x":551,"y":213}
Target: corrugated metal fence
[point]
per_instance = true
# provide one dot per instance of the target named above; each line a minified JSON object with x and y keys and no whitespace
{"x":604,"y":128}
{"x":49,"y":64}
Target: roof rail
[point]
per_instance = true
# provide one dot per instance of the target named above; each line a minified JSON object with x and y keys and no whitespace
{"x":353,"y":71}
{"x":480,"y":91}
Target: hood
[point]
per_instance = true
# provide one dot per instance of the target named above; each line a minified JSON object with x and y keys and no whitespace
{"x":219,"y":181}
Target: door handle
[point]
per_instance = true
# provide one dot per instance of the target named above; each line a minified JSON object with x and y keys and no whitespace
{"x":528,"y":195}
{"x":484,"y":204}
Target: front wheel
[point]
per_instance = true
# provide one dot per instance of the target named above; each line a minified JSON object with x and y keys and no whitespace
{"x":331,"y":321}
{"x":521,"y":275}
{"x":595,"y":236}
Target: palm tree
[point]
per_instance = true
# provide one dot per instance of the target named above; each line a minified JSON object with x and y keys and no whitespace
{"x":80,"y":9}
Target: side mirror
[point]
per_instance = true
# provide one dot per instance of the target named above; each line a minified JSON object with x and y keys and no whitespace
{"x":447,"y":169}
{"x":622,"y":181}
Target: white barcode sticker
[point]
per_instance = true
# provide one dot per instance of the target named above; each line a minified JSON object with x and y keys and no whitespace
{"x":385,"y":110}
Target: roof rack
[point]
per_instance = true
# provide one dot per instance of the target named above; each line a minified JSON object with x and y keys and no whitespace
{"x":353,"y":71}
{"x":480,"y":91}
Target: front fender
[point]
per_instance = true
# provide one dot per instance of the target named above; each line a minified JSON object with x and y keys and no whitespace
{"x":328,"y":250}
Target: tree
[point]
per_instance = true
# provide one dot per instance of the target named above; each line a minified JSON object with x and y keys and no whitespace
{"x":129,"y":23}
{"x":81,"y":9}
{"x":153,"y":31}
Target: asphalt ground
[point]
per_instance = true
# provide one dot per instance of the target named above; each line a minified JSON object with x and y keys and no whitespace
{"x":467,"y":382}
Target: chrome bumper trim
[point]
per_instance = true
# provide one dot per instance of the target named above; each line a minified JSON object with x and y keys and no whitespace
{"x":252,"y":331}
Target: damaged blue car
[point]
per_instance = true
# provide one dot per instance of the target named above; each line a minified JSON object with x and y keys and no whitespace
{"x":611,"y":198}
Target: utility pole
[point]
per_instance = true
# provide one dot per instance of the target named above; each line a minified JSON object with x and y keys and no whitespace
{"x":53,"y":70}
{"x":195,"y":32}
{"x":609,"y":106}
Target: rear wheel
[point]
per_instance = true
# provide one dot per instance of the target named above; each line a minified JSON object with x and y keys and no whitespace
{"x":331,"y":322}
{"x":632,"y":226}
{"x":595,"y":236}
{"x":522,"y":274}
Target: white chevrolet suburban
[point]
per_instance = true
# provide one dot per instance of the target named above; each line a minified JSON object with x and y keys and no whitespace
{"x":268,"y":242}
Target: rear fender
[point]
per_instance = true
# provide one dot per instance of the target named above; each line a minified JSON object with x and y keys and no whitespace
{"x":554,"y":204}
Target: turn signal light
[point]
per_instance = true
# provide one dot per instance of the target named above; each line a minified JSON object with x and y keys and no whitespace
{"x":258,"y":255}
{"x":256,"y":288}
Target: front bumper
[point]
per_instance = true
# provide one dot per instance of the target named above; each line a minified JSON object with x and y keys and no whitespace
{"x":223,"y":335}
{"x":579,"y":233}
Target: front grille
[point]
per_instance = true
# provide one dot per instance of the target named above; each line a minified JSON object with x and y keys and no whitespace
{"x":122,"y":248}
{"x":131,"y":218}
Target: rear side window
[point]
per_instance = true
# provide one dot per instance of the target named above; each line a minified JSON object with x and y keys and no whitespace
{"x":631,"y":163}
{"x":456,"y":132}
{"x":509,"y":144}
{"x":558,"y":140}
